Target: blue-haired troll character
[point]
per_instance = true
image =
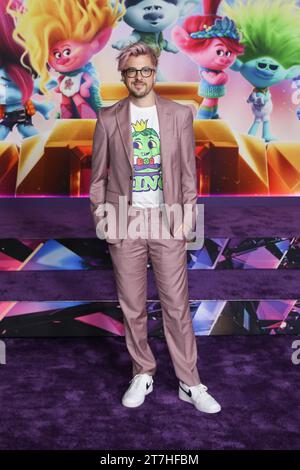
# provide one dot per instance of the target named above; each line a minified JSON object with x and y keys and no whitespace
{"x":271,"y":35}
{"x":149,"y":18}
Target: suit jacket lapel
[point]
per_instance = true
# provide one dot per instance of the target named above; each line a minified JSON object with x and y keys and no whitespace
{"x":165,"y":120}
{"x":124,"y":125}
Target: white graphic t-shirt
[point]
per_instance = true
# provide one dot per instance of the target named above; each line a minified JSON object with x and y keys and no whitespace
{"x":147,"y":177}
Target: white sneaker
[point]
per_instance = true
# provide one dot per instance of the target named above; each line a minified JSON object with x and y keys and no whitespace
{"x":198,"y":396}
{"x":141,"y":385}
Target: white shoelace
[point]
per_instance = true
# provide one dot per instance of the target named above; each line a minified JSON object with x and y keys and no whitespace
{"x":134,"y":381}
{"x":200,"y":389}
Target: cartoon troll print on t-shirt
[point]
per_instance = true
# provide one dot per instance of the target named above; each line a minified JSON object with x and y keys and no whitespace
{"x":146,"y":150}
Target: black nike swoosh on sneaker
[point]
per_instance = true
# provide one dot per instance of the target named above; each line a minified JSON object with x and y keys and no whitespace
{"x":189,"y":393}
{"x":148,"y":386}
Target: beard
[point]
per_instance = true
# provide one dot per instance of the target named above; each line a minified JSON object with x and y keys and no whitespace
{"x":140,"y":92}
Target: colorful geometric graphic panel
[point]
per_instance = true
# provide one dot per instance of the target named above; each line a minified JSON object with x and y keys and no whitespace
{"x":92,"y":253}
{"x":210,"y":317}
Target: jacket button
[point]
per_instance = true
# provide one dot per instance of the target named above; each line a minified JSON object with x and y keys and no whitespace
{"x":130,"y":177}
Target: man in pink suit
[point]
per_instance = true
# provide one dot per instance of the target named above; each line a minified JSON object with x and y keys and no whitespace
{"x":144,"y":161}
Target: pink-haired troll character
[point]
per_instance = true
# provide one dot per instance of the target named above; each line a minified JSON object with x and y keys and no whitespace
{"x":64,"y":35}
{"x":213,"y":43}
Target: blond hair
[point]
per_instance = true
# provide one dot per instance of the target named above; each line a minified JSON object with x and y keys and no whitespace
{"x":45,"y":22}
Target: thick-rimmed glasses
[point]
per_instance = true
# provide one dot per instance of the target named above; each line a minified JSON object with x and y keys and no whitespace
{"x":132,"y":72}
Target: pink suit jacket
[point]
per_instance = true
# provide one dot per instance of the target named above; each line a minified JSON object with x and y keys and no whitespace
{"x":112,"y":159}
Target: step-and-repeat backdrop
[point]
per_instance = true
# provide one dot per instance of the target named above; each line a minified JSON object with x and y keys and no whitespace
{"x":236,"y":63}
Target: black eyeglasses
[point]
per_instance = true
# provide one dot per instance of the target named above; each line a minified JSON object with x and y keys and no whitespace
{"x":132,"y":72}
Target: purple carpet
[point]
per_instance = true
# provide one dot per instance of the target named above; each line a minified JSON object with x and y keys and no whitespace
{"x":223,"y":216}
{"x":94,"y":285}
{"x":65,"y":393}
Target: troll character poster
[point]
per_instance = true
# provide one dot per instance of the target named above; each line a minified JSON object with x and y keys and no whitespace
{"x":236,"y":63}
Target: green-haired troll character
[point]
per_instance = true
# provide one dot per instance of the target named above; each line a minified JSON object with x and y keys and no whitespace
{"x":271,"y":35}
